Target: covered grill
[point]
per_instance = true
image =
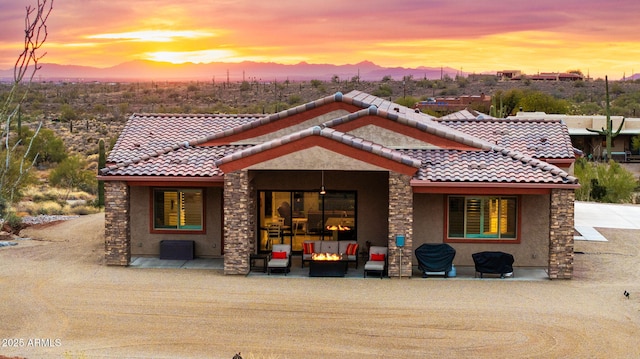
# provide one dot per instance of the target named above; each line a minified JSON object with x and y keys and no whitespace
{"x":435,"y":258}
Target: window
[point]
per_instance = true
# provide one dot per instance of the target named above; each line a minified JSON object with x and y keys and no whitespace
{"x":482,"y":217}
{"x":306,"y":215}
{"x":178,"y":209}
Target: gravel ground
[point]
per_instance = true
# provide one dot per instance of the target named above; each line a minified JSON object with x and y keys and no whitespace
{"x":60,"y":300}
{"x":32,"y":220}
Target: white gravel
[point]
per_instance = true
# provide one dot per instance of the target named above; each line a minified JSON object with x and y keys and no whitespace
{"x":45,"y":219}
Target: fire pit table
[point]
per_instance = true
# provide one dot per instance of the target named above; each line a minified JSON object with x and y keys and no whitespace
{"x":328,"y":265}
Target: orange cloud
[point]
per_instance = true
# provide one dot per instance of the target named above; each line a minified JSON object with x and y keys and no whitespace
{"x":476,"y":36}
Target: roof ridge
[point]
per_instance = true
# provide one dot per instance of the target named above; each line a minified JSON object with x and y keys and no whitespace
{"x":337,"y":97}
{"x":326,"y":132}
{"x":496,"y":119}
{"x":428,"y":126}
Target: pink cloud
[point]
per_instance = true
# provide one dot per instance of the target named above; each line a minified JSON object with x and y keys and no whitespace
{"x":337,"y":28}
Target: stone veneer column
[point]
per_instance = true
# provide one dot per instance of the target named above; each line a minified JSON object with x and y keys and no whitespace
{"x":561,"y":234}
{"x":400,"y":222}
{"x":238,"y":228}
{"x":116,"y":224}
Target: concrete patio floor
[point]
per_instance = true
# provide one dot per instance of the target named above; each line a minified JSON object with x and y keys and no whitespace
{"x":465,"y":272}
{"x":587,"y":216}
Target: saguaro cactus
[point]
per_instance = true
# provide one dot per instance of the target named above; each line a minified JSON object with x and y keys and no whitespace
{"x":608,"y":133}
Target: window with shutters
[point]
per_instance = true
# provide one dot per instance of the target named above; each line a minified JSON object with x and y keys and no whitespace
{"x":482,"y":218}
{"x":178,"y":209}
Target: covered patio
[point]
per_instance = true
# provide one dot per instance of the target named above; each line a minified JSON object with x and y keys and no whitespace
{"x":217,"y":264}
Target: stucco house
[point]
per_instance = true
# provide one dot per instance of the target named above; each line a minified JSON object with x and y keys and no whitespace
{"x":385,"y":170}
{"x":591,"y":143}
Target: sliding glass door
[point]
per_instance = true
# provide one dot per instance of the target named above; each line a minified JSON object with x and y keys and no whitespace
{"x":292,"y":217}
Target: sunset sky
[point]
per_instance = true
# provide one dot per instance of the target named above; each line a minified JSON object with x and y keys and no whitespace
{"x":597,"y":37}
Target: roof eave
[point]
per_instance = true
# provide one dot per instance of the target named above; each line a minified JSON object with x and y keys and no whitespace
{"x":419,"y":183}
{"x":129,"y":178}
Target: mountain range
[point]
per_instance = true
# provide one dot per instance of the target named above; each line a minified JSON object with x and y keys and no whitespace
{"x":142,"y":70}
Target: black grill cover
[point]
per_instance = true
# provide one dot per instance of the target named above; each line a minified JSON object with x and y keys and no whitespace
{"x":493,"y":262}
{"x":435,"y":257}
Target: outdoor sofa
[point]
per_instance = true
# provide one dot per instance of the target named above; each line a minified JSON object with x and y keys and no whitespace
{"x":348,"y":248}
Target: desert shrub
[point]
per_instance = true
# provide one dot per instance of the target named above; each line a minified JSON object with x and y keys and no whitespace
{"x":604,"y":182}
{"x":316,"y":83}
{"x":294,"y":100}
{"x":71,"y":174}
{"x":49,"y":208}
{"x":82,"y":210}
{"x":408,"y":101}
{"x":14,"y":221}
{"x":383,"y":90}
{"x":3,"y":206}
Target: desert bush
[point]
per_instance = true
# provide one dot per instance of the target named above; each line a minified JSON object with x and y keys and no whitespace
{"x":46,"y":208}
{"x":294,"y":100}
{"x":38,"y":194}
{"x":70,"y":174}
{"x":82,"y":210}
{"x":408,"y":101}
{"x":383,"y":90}
{"x":14,"y":221}
{"x":604,"y":182}
{"x":316,"y":83}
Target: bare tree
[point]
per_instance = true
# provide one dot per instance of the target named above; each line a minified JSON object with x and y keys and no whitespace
{"x":14,"y":154}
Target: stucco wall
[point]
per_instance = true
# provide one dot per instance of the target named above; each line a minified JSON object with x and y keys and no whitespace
{"x":532,"y":251}
{"x":144,"y":243}
{"x":301,"y":126}
{"x":372,"y":195}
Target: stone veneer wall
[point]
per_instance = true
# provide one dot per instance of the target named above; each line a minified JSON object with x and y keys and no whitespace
{"x":117,"y":231}
{"x":400,"y":222}
{"x":238,"y":222}
{"x":561,"y":234}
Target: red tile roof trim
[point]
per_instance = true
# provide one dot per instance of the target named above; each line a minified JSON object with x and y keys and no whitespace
{"x":280,"y":120}
{"x":226,"y":163}
{"x":436,"y":133}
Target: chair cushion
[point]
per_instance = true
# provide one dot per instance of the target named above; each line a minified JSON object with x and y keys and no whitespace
{"x":343,"y":246}
{"x":374,"y":265}
{"x":279,"y":255}
{"x":329,"y":247}
{"x":377,"y":257}
{"x":307,"y":247}
{"x":281,"y":248}
{"x":278,"y":263}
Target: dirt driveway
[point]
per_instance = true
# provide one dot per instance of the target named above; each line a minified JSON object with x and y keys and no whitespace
{"x":57,"y":300}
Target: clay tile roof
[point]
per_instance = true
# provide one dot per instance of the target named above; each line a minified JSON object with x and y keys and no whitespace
{"x":467,"y":114}
{"x":365,"y":100}
{"x":183,"y":162}
{"x":165,"y":145}
{"x":155,"y":134}
{"x":330,"y":133}
{"x":547,"y":139}
{"x":423,"y":124}
{"x":486,"y":166}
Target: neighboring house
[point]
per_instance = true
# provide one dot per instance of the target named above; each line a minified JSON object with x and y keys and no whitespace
{"x":516,"y":75}
{"x":507,"y":75}
{"x":220,"y":180}
{"x":592,"y":144}
{"x":453,"y":103}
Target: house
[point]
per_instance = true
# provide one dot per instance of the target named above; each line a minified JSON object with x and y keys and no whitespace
{"x":516,"y":75}
{"x":347,"y":166}
{"x":507,"y":75}
{"x":453,"y":103}
{"x":591,"y":143}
